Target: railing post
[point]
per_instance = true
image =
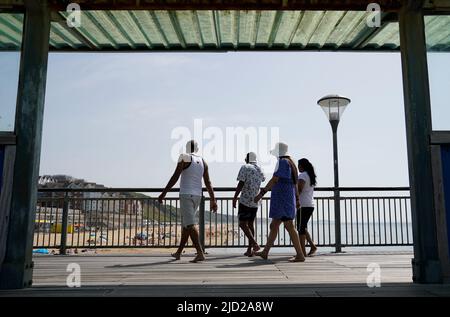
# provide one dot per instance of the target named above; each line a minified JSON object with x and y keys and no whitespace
{"x":202,"y":223}
{"x":65,"y":216}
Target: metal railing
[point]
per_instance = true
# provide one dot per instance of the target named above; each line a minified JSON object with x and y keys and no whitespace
{"x":131,"y":217}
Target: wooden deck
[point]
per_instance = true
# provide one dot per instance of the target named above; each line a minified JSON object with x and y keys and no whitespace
{"x":227,"y":275}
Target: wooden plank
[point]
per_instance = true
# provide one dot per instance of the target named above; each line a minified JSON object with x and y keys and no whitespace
{"x":5,"y":196}
{"x":441,"y":221}
{"x":219,"y":270}
{"x":440,"y":137}
{"x":7,"y":138}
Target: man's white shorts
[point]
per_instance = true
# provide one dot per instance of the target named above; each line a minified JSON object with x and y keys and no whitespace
{"x":189,"y":209}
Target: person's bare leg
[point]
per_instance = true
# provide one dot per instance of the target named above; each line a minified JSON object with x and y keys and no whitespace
{"x":252,"y":229}
{"x":183,"y":241}
{"x":311,"y":244}
{"x":289,"y":225}
{"x":249,"y":252}
{"x":196,"y":242}
{"x":274,"y":226}
{"x":245,"y":228}
{"x":303,"y":242}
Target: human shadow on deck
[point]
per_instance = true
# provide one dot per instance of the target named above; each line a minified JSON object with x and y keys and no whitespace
{"x":119,"y":266}
{"x":255,"y":261}
{"x":171,"y":260}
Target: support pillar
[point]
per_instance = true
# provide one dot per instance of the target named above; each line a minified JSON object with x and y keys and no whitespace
{"x":17,"y":267}
{"x":426,"y":264}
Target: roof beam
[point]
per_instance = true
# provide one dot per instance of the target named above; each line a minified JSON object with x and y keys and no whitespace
{"x":214,"y":49}
{"x":11,"y":38}
{"x":308,"y":39}
{"x":63,"y":36}
{"x":56,"y":17}
{"x":196,"y":23}
{"x":295,"y":30}
{"x":139,"y":27}
{"x":387,"y":5}
{"x":176,"y":26}
{"x":158,"y":26}
{"x":217,"y":28}
{"x":256,"y":29}
{"x":17,"y":33}
{"x":101,"y":29}
{"x":237,"y":18}
{"x":437,"y":6}
{"x":275,"y":26}
{"x":121,"y":30}
{"x":372,"y":32}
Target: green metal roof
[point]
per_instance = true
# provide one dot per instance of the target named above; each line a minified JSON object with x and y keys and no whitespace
{"x":10,"y":31}
{"x":158,"y":30}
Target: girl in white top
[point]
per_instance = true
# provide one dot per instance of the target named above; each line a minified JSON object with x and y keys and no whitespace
{"x":306,"y":184}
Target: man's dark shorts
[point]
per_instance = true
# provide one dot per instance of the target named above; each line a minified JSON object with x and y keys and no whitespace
{"x":247,"y":213}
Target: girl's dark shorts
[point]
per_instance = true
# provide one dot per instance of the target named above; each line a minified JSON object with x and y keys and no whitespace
{"x":303,"y":216}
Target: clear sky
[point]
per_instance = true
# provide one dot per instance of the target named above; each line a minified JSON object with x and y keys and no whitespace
{"x":9,"y":76}
{"x":111,"y":118}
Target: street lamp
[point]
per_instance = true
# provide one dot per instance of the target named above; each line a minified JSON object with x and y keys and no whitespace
{"x":334,"y":106}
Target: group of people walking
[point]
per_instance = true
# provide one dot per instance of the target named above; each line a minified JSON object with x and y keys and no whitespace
{"x":292,"y":192}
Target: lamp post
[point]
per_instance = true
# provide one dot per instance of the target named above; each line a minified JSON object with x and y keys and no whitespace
{"x":334,"y":106}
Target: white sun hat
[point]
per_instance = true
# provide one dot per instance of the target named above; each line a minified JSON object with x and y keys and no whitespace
{"x":280,"y":149}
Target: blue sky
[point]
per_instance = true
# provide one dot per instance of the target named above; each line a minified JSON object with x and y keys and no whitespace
{"x":9,"y":76}
{"x":109,"y":117}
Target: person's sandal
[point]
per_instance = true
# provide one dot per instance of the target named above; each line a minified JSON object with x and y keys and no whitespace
{"x":198,"y":258}
{"x":312,"y":252}
{"x":177,"y":256}
{"x":262,"y":254}
{"x":295,"y":259}
{"x":256,"y":248}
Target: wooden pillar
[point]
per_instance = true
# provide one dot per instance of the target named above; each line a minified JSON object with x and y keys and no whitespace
{"x":17,"y":267}
{"x":7,"y":155}
{"x":426,"y":265}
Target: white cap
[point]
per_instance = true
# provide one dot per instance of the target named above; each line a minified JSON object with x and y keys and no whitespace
{"x":280,"y":149}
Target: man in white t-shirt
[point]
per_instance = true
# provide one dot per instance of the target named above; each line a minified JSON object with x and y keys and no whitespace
{"x":192,"y":169}
{"x":250,"y":177}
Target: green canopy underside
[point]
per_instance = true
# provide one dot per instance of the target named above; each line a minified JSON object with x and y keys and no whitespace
{"x":224,"y":30}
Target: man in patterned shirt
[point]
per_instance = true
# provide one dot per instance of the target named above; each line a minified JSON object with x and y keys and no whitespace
{"x":250,"y":178}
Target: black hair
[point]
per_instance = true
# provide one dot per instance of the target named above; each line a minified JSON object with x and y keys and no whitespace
{"x":307,"y":166}
{"x":191,"y":145}
{"x":250,"y":155}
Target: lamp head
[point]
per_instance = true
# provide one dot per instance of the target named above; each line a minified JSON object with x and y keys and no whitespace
{"x":333,"y":106}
